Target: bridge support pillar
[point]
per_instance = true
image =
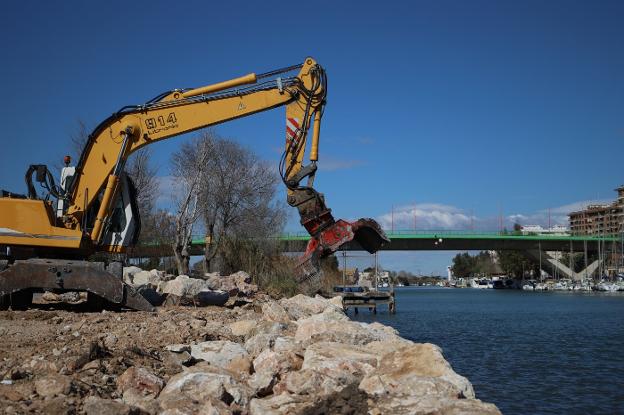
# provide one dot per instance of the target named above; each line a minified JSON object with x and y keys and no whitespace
{"x":552,"y":265}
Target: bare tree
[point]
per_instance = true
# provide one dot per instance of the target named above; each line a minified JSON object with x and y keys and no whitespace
{"x":143,"y":175}
{"x":188,"y":166}
{"x":78,"y":139}
{"x":162,"y":222}
{"x":234,"y":193}
{"x":237,"y":196}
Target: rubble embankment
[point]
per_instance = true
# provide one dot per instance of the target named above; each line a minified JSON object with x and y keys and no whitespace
{"x":256,"y":355}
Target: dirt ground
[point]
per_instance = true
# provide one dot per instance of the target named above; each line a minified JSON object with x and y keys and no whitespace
{"x":53,"y":356}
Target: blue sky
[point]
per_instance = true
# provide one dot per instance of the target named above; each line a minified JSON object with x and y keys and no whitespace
{"x":445,"y":109}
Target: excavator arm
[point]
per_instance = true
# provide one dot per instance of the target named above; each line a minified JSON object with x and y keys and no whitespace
{"x":175,"y":113}
{"x":178,"y":112}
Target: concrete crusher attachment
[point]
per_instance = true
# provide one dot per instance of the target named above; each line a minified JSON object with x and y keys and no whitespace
{"x":103,"y":284}
{"x":363,"y":234}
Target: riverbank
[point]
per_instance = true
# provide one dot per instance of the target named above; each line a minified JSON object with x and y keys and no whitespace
{"x":294,"y":356}
{"x":555,"y":352}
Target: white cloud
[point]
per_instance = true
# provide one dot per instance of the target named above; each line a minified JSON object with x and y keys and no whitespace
{"x":426,"y":216}
{"x":555,"y":216}
{"x":431,"y":216}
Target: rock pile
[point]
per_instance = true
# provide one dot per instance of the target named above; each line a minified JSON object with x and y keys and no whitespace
{"x":300,"y":355}
{"x":158,"y":287}
{"x":237,"y":284}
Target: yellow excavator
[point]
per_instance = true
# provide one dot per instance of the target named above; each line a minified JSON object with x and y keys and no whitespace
{"x":45,"y":240}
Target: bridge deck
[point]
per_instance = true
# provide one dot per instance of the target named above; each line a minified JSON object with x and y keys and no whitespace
{"x":429,"y":241}
{"x":468,"y":240}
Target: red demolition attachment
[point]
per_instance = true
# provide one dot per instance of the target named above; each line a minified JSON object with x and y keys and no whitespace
{"x":328,"y":235}
{"x":365,"y":233}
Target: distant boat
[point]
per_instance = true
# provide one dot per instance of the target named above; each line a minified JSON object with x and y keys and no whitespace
{"x":498,"y":284}
{"x":349,"y":289}
{"x":606,"y":287}
{"x":480,"y":283}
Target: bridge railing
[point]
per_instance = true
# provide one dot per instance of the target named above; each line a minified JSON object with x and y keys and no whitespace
{"x":461,"y":232}
{"x":442,"y":233}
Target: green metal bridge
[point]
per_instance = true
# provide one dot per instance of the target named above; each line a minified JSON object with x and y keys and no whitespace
{"x":428,"y":240}
{"x":533,"y":245}
{"x":434,"y":240}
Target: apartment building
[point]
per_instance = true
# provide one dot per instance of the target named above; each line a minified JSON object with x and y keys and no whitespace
{"x":600,"y":220}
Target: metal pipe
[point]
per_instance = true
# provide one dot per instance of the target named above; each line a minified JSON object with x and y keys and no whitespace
{"x":585,"y":253}
{"x":344,"y":269}
{"x":315,"y":136}
{"x":376,"y":272}
{"x":101,"y":215}
{"x":121,"y":160}
{"x":243,"y":80}
{"x":539,"y":244}
{"x":570,"y":259}
{"x":111,"y":189}
{"x":279,"y":71}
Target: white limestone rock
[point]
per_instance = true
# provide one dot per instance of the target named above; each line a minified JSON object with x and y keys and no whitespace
{"x":273,"y":311}
{"x":182,"y":286}
{"x":224,"y":354}
{"x":206,"y":383}
{"x":314,"y":329}
{"x":332,"y":355}
{"x":277,"y":363}
{"x":301,"y":306}
{"x":243,"y":327}
{"x":418,"y":369}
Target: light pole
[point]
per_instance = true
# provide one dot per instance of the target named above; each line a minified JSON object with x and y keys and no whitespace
{"x":376,"y":271}
{"x":344,"y":269}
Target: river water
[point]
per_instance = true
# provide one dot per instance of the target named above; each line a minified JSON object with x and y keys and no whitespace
{"x":526,"y":352}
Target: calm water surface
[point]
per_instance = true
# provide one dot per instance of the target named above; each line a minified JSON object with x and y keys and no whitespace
{"x":529,"y":353}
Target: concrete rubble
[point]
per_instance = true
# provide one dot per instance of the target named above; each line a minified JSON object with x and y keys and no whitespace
{"x":300,"y":355}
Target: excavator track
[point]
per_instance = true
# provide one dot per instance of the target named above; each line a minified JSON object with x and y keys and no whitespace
{"x":23,"y":277}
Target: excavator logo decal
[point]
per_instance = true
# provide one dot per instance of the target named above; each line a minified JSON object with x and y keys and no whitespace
{"x":292,"y":126}
{"x":160,"y":124}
